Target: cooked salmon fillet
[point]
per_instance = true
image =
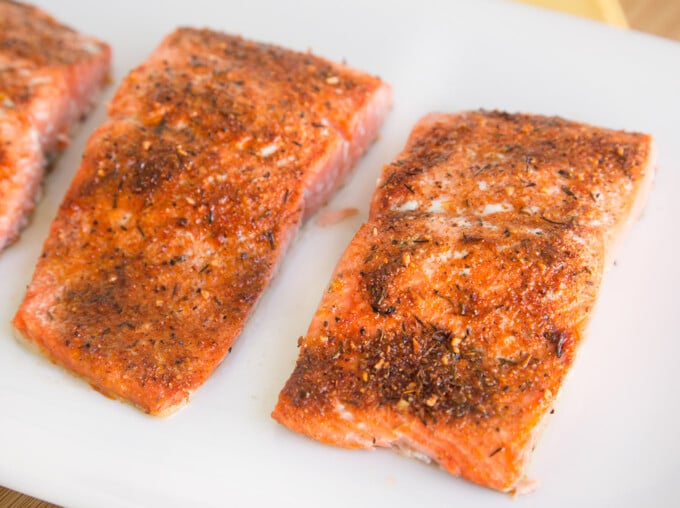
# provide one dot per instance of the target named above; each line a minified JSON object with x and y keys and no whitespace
{"x":453,"y":317}
{"x":49,"y":76}
{"x":216,"y":150}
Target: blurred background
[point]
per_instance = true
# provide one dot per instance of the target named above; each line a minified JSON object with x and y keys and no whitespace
{"x":658,"y":17}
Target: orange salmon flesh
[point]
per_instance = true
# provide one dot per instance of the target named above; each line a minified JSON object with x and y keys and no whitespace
{"x":49,"y":77}
{"x":455,"y":313}
{"x":216,"y":150}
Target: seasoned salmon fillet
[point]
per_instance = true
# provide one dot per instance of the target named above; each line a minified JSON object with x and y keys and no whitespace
{"x":49,"y":76}
{"x":216,"y":150}
{"x":452,"y":319}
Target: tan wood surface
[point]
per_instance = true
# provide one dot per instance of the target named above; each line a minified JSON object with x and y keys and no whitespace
{"x":659,"y":17}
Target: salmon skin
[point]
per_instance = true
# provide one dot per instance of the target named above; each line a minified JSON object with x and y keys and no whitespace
{"x":454,"y":315}
{"x":216,"y":150}
{"x":49,"y":76}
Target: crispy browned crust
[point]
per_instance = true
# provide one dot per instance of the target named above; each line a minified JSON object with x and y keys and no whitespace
{"x":49,"y":75}
{"x":32,"y":36}
{"x":184,"y":203}
{"x":453,"y":317}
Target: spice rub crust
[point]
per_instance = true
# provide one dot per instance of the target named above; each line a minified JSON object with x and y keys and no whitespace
{"x":49,"y":76}
{"x":455,"y":314}
{"x":216,"y":149}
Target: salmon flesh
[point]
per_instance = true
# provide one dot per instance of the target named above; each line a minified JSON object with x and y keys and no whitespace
{"x":455,"y":313}
{"x":216,"y":149}
{"x":49,"y":78}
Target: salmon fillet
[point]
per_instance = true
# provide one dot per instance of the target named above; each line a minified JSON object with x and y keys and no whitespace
{"x":451,"y":320}
{"x":216,"y":150}
{"x":49,"y":76}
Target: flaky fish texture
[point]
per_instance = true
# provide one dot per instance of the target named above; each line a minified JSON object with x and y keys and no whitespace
{"x":216,"y":150}
{"x":453,"y":317}
{"x":49,"y":77}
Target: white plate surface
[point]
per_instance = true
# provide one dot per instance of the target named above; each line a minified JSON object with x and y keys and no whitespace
{"x":614,"y":440}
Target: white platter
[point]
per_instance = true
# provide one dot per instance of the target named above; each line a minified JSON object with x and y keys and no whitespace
{"x":614,"y":440}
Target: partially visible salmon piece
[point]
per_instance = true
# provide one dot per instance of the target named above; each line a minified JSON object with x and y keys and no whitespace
{"x":49,"y":77}
{"x":453,"y":317}
{"x":216,"y":150}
